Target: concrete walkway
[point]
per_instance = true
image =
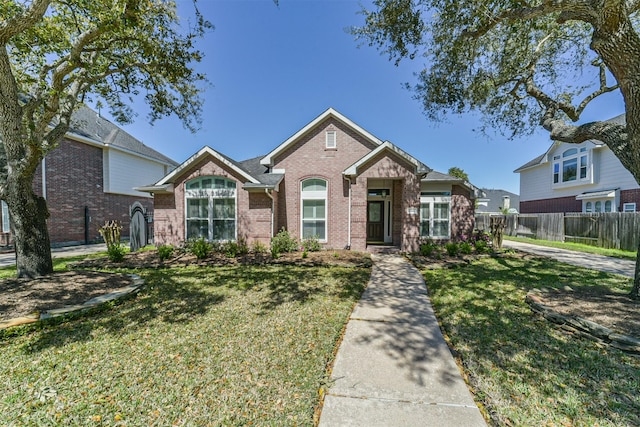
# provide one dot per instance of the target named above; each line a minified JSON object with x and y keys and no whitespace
{"x":581,"y":259}
{"x":9,"y":258}
{"x":393,"y":367}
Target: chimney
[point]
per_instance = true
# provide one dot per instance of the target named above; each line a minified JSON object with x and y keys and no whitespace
{"x":506,"y":202}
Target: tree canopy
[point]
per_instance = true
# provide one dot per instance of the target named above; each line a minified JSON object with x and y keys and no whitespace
{"x":58,"y":53}
{"x":521,"y":64}
{"x":458,"y":173}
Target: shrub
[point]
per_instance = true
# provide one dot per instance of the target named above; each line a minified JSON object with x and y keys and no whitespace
{"x":200,"y":248}
{"x":482,"y":247}
{"x":165,"y":252}
{"x":466,"y":248}
{"x":243,"y":247}
{"x":305,"y":254}
{"x":110,"y":232}
{"x":427,"y":248}
{"x":452,"y":248}
{"x":283,"y":243}
{"x":257,"y":247}
{"x":116,"y":252}
{"x":311,"y":244}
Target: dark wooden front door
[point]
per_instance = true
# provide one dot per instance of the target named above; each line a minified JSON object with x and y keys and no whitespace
{"x":375,"y":221}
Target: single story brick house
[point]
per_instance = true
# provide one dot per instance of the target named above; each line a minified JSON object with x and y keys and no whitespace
{"x":332,"y":180}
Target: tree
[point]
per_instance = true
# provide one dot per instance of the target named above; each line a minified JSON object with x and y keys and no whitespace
{"x":521,"y":64}
{"x":57,"y":54}
{"x":458,"y":173}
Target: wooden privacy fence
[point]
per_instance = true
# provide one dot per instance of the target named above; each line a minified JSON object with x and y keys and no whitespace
{"x":614,"y":230}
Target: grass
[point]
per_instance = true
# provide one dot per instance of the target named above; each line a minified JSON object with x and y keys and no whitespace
{"x":523,"y":370}
{"x":616,"y":253}
{"x":235,"y":345}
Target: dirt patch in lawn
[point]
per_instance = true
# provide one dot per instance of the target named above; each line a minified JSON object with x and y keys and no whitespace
{"x":616,"y":311}
{"x":21,"y":297}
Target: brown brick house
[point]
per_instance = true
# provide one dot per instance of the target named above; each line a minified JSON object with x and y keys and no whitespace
{"x":331,"y":179}
{"x":89,"y":179}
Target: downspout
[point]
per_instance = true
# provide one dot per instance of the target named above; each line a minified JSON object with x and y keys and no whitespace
{"x":269,"y":195}
{"x":348,"y":179}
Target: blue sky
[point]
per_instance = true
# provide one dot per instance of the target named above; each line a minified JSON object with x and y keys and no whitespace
{"x":273,"y":69}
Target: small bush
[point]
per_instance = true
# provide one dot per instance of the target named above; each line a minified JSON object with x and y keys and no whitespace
{"x":311,"y":244}
{"x":305,"y":254}
{"x":165,"y":252}
{"x":482,"y":247}
{"x":283,"y":243}
{"x":452,"y":248}
{"x":257,"y":247}
{"x":243,"y":247}
{"x":466,"y":248}
{"x":116,"y":252}
{"x":200,"y":248}
{"x":428,"y":248}
{"x":232,"y":249}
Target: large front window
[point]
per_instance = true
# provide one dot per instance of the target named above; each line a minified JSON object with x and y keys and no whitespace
{"x":211,"y":208}
{"x":313,"y":195}
{"x":435,"y":217}
{"x":571,"y":166}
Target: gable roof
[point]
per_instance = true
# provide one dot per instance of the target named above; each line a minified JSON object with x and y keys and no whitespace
{"x":494,"y":199}
{"x":421,"y":168}
{"x":435,"y":176}
{"x":544,"y":158}
{"x":89,"y":127}
{"x":268,"y":160}
{"x":205,"y":151}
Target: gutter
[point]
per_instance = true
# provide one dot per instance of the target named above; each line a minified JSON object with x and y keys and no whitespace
{"x":348,"y":179}
{"x":269,"y":195}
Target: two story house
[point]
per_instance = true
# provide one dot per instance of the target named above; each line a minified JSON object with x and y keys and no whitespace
{"x":89,"y":178}
{"x":584,"y":177}
{"x":332,"y":180}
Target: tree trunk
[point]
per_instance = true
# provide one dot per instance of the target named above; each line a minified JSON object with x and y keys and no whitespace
{"x":635,"y":291}
{"x":29,"y":215}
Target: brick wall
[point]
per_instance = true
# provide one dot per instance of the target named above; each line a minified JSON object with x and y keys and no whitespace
{"x":308,"y":158}
{"x":560,"y":204}
{"x":462,"y":212}
{"x":253,"y":209}
{"x":630,"y":196}
{"x":74,"y":181}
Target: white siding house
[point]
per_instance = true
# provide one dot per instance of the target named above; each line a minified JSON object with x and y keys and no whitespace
{"x":584,"y":177}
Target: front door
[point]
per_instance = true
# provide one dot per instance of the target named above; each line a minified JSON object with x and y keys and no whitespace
{"x":375,"y":221}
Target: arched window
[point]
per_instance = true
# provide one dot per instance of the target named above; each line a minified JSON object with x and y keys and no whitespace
{"x":211,"y":208}
{"x":572,"y":165}
{"x":607,"y":206}
{"x":313,"y":199}
{"x":598,"y":206}
{"x":588,"y":207}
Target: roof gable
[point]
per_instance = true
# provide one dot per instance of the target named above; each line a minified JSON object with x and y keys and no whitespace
{"x":206,"y":151}
{"x":268,"y":160}
{"x":389,"y":147}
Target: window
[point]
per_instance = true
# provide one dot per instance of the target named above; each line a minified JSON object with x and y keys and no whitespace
{"x":5,"y":217}
{"x":598,"y":206}
{"x":629,"y":207}
{"x":607,"y":206}
{"x":571,"y":166}
{"x":588,"y":207}
{"x":313,"y":197}
{"x":331,"y":139}
{"x":435,"y":217}
{"x":211,"y":208}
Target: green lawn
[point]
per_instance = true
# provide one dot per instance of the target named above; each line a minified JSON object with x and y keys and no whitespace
{"x":617,"y":253}
{"x":525,"y":371}
{"x":235,"y":345}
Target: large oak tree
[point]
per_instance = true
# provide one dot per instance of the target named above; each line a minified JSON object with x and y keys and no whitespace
{"x":521,"y":63}
{"x":54,"y":54}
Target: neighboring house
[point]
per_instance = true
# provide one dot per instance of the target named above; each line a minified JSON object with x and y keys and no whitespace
{"x":89,"y":178}
{"x":497,"y":202}
{"x":584,"y":177}
{"x":332,"y":179}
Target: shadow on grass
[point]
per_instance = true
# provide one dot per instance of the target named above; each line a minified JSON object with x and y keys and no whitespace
{"x":541,"y":371}
{"x":177,"y":295}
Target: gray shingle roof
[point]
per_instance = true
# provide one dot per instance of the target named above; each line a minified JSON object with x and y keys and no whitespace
{"x":88,"y":123}
{"x":495,"y":198}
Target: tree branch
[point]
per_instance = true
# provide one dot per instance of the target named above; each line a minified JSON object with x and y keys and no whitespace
{"x":31,"y":16}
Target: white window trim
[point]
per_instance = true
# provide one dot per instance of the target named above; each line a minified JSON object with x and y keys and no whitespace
{"x":558,"y":159}
{"x":315,"y":195}
{"x":432,"y":200}
{"x":629,"y":207}
{"x":210,"y":194}
{"x":331,"y":140}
